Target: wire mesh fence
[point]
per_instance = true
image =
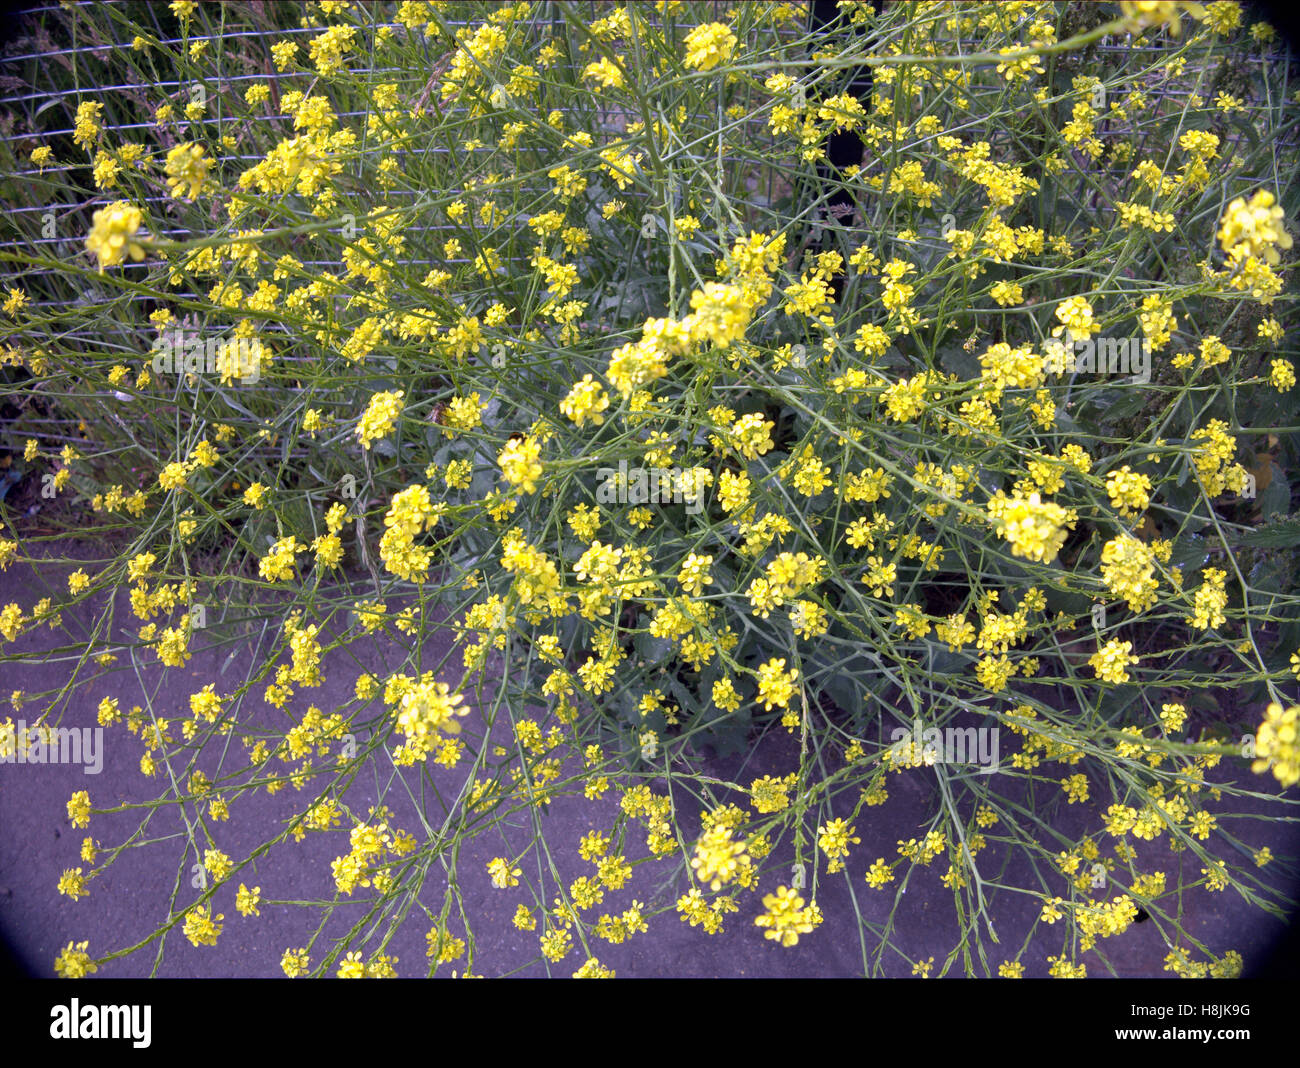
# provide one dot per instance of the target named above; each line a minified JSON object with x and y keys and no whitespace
{"x":58,"y":64}
{"x":41,"y":85}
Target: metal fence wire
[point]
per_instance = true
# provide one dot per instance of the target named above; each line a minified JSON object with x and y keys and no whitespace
{"x":35,"y":109}
{"x":63,"y":56}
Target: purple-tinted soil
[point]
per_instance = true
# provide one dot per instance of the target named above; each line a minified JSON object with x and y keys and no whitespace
{"x":130,"y":898}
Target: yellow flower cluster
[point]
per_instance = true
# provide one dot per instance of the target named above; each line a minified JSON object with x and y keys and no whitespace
{"x":1213,"y":459}
{"x":277,"y":565}
{"x":187,"y":170}
{"x":586,"y":400}
{"x":201,"y":927}
{"x":709,"y":45}
{"x":1277,"y":744}
{"x":1253,"y":229}
{"x":1128,"y":569}
{"x":771,"y":794}
{"x":379,"y":418}
{"x":112,"y":234}
{"x":1129,"y":491}
{"x":776,"y":685}
{"x":1035,"y":528}
{"x":1112,"y":660}
{"x":411,"y":514}
{"x":718,"y":858}
{"x":1211,"y":599}
{"x":786,"y":918}
{"x":74,"y":962}
{"x":520,"y":463}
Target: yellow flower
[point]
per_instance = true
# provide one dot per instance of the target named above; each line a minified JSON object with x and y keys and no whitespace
{"x":709,"y":45}
{"x":277,"y":565}
{"x":586,"y":400}
{"x":1141,"y":14}
{"x":1281,"y":375}
{"x":880,"y":577}
{"x":429,"y":707}
{"x":246,"y":900}
{"x":1128,"y":569}
{"x":294,"y":963}
{"x":187,"y":170}
{"x":79,"y":809}
{"x":352,"y":967}
{"x":1077,"y":321}
{"x":15,"y":300}
{"x":1112,"y":659}
{"x":604,"y":72}
{"x":327,"y":50}
{"x":556,"y":943}
{"x":520,"y":464}
{"x":87,"y":123}
{"x":718,"y":859}
{"x":1060,"y":968}
{"x":1017,"y":66}
{"x":775,"y":685}
{"x":379,"y":417}
{"x":786,"y":918}
{"x":73,"y":884}
{"x":1129,"y":491}
{"x":255,"y":495}
{"x":879,"y":874}
{"x":1035,"y":528}
{"x":720,"y":314}
{"x":834,"y":838}
{"x":1211,"y":599}
{"x":593,"y":969}
{"x":73,"y":962}
{"x":771,"y":795}
{"x":694,"y":574}
{"x":112,"y":234}
{"x":1253,"y":229}
{"x":503,"y":876}
{"x":751,"y":436}
{"x":201,"y":927}
{"x":1277,"y":744}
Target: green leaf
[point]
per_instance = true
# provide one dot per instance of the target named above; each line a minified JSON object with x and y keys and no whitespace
{"x":1189,"y":552}
{"x":652,"y":650}
{"x":1283,"y":534}
{"x":1268,"y":578}
{"x":1067,"y":423}
{"x":1125,"y":405}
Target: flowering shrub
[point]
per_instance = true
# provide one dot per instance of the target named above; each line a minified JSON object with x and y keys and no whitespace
{"x":989,"y":447}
